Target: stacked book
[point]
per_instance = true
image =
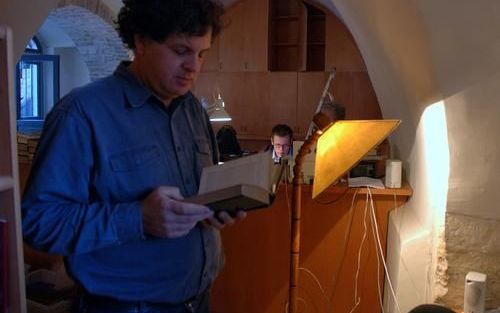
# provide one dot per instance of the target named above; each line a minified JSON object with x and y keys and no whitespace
{"x":26,"y":146}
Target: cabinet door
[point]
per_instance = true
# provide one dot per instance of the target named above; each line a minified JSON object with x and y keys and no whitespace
{"x":282,"y":100}
{"x":231,"y":45}
{"x":211,"y":63}
{"x":206,"y":86}
{"x":256,"y":31}
{"x":341,"y":49}
{"x":232,"y":88}
{"x":256,"y":110}
{"x":310,"y":88}
{"x":243,"y":43}
{"x":364,"y":100}
{"x":341,"y":89}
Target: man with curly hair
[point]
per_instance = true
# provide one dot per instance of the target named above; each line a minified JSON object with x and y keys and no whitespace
{"x":115,"y":161}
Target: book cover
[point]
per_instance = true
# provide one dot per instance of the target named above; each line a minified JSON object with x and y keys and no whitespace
{"x":246,"y":183}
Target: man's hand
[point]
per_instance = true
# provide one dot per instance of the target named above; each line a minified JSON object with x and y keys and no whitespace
{"x":165,"y":215}
{"x":223,"y":218}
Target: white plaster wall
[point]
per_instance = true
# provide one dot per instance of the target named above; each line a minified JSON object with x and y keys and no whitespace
{"x":418,"y":53}
{"x":393,"y":41}
{"x":74,"y":73}
{"x":466,"y":47}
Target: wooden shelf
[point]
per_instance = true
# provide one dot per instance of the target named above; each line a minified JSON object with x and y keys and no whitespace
{"x":284,"y":44}
{"x":319,"y":43}
{"x":405,"y":190}
{"x":285,"y":18}
{"x":6,"y":183}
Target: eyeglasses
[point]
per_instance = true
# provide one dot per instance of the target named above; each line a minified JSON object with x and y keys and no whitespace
{"x":280,"y":146}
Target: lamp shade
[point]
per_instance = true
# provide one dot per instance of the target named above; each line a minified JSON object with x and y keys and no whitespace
{"x":217,"y":112}
{"x":343,"y":145}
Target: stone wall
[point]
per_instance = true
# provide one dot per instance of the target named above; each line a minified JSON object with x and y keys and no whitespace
{"x":94,"y":37}
{"x":472,"y":244}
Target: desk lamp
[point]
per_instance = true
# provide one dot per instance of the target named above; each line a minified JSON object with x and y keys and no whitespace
{"x":217,"y":112}
{"x":340,"y":146}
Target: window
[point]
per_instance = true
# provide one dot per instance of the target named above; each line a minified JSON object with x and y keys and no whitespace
{"x":37,"y":86}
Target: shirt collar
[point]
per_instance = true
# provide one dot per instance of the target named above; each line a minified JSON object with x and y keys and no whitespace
{"x":136,"y":92}
{"x":276,"y":158}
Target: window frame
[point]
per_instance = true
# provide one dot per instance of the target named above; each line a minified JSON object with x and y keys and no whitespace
{"x":36,"y":56}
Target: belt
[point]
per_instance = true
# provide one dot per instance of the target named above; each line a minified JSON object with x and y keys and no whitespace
{"x":110,"y":304}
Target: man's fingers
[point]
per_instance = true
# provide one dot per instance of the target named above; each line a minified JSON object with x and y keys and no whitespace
{"x":170,"y":192}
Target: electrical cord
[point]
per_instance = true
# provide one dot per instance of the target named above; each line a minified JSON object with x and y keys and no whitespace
{"x":347,"y":234}
{"x":357,"y":300}
{"x":378,"y":242}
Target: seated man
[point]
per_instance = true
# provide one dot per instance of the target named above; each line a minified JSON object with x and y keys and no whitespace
{"x":281,"y":142}
{"x":227,"y":142}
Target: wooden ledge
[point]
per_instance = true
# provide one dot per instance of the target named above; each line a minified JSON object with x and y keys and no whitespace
{"x":405,"y":190}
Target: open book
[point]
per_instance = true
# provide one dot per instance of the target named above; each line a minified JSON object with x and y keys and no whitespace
{"x":246,"y":183}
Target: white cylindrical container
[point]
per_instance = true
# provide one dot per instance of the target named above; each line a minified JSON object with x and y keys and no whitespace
{"x":474,"y":292}
{"x":393,"y":169}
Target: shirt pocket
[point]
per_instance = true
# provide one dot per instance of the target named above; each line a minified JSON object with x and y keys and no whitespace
{"x":135,"y":158}
{"x":203,"y":155}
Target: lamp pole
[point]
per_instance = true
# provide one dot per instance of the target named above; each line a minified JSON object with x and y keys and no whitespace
{"x":293,"y":291}
{"x":319,"y":120}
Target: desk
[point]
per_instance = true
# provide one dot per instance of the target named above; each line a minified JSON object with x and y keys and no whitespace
{"x":255,"y":278}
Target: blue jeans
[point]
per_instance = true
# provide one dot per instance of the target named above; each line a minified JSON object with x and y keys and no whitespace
{"x":94,"y":304}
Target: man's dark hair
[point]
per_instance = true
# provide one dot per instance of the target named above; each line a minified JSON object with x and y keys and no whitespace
{"x":282,"y":130}
{"x":227,"y":141}
{"x":158,"y":19}
{"x":337,"y":109}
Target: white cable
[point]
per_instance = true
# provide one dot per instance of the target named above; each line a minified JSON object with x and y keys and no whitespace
{"x":288,"y":304}
{"x":357,"y":300}
{"x":346,"y":238}
{"x":382,"y":254}
{"x":379,"y":288}
{"x":315,"y":278}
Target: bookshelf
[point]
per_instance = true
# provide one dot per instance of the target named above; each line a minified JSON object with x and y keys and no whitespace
{"x":296,"y":36}
{"x":286,"y":35}
{"x":9,"y":182}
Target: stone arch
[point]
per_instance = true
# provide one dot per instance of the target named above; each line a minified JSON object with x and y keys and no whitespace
{"x":95,"y":6}
{"x":90,"y":26}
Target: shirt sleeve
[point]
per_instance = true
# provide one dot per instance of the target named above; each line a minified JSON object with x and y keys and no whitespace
{"x":58,"y":213}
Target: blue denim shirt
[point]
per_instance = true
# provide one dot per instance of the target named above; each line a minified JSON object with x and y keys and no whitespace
{"x":104,"y":148}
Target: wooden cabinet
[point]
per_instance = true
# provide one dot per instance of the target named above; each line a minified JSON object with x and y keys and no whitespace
{"x":315,"y":43}
{"x":256,"y":275}
{"x":296,"y":36}
{"x":243,"y":43}
{"x":211,"y":63}
{"x":310,"y":86}
{"x":282,"y":99}
{"x":341,"y":50}
{"x":9,"y":184}
{"x":301,"y":37}
{"x":355,"y":92}
{"x":256,"y":101}
{"x":287,"y":35}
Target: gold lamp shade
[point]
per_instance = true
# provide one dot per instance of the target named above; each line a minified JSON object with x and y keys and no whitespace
{"x":343,"y":145}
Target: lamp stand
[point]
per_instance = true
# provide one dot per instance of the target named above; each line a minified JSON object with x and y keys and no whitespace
{"x":296,"y":211}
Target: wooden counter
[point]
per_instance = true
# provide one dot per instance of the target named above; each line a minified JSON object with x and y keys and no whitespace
{"x":255,"y":278}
